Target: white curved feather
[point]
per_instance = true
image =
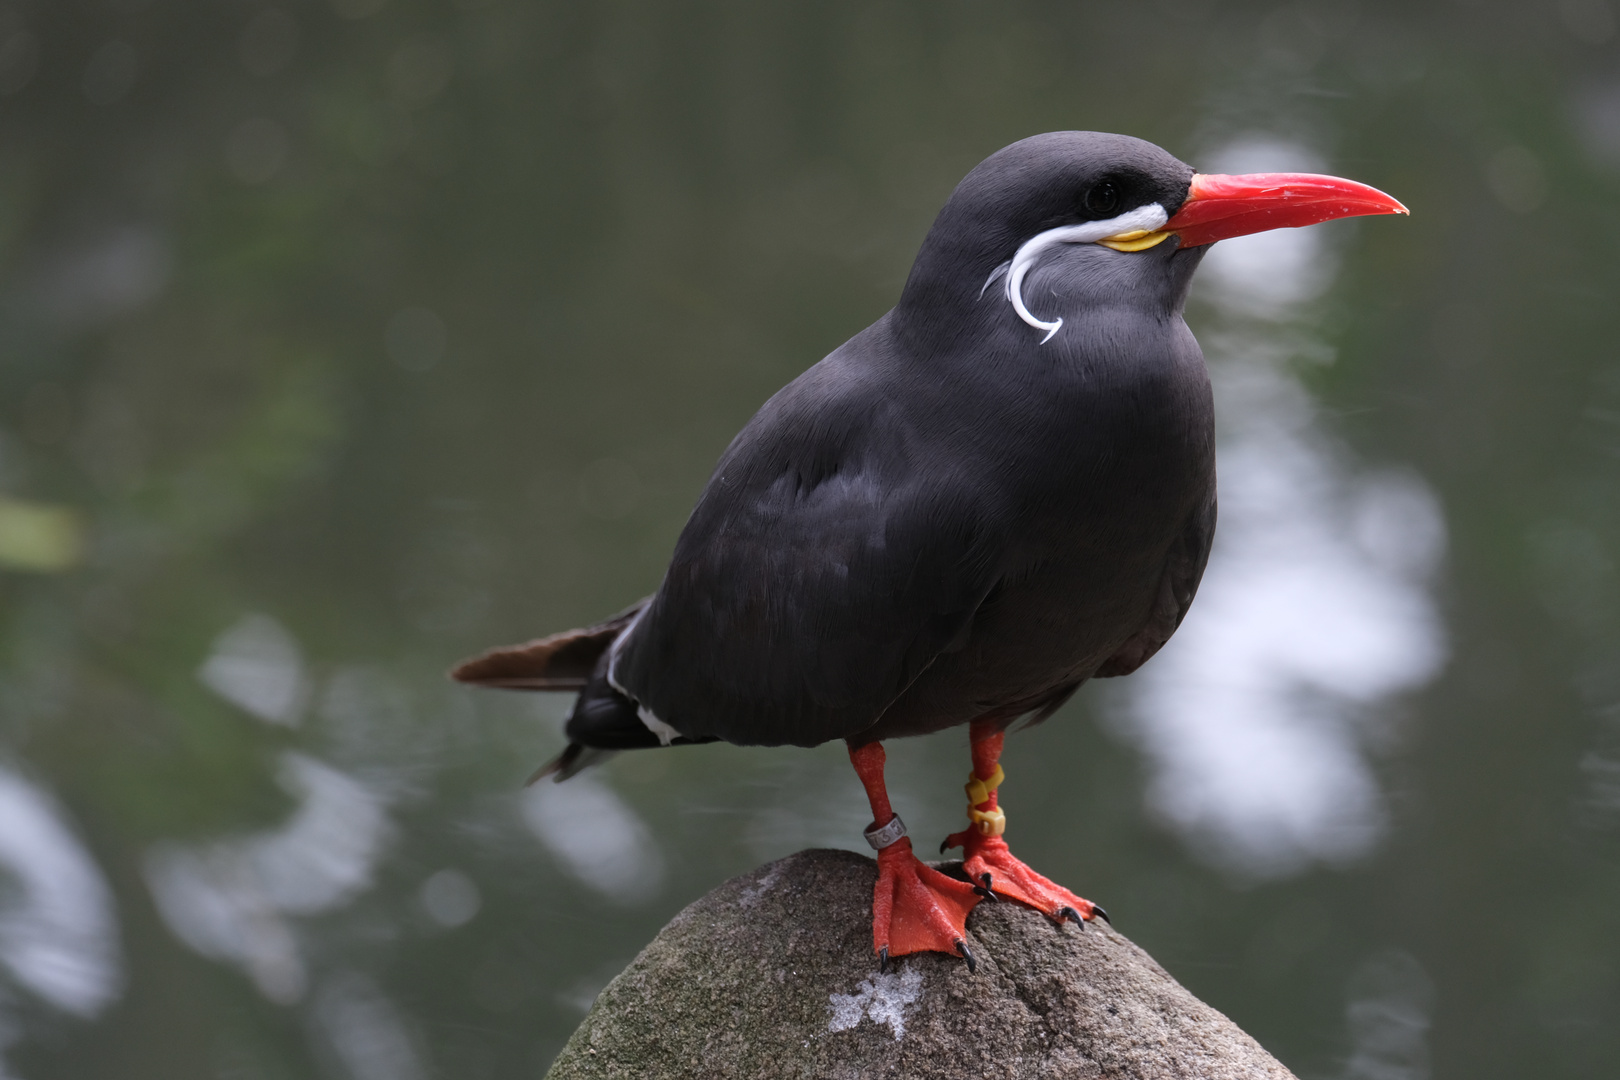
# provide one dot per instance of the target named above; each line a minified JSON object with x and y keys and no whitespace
{"x":1146,"y":218}
{"x":991,"y":280}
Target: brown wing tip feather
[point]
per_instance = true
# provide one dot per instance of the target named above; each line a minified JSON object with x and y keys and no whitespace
{"x":559,"y":662}
{"x":512,"y":670}
{"x":562,"y":661}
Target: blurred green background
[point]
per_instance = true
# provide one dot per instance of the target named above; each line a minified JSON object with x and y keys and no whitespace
{"x":340,"y":339}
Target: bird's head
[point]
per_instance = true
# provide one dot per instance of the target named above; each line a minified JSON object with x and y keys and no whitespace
{"x":1145,"y":214}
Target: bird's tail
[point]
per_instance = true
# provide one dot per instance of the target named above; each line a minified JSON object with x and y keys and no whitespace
{"x":578,"y":756}
{"x":564,"y":661}
{"x":603,"y":720}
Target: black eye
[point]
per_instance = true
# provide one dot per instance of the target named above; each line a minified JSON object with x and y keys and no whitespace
{"x":1102,"y":200}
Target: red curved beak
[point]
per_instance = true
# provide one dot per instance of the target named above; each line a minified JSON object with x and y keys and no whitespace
{"x":1219,"y":207}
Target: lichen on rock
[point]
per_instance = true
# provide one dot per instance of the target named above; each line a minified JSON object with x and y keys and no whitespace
{"x":883,"y":999}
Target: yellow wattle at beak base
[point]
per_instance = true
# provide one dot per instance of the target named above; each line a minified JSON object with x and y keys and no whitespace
{"x":1137,"y":240}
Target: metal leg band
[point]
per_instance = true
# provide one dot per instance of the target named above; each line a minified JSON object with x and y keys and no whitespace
{"x":881,"y":836}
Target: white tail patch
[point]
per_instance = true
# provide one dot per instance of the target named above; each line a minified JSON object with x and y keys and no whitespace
{"x":666,"y":734}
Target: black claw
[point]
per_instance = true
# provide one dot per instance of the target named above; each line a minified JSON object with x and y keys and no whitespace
{"x":883,"y":960}
{"x":945,"y":845}
{"x":985,"y":877}
{"x":1070,"y":913}
{"x":1096,"y":909}
{"x":967,"y":954}
{"x":984,"y":889}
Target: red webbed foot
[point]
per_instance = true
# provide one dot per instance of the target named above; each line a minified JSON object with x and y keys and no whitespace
{"x":988,"y":861}
{"x":915,"y":908}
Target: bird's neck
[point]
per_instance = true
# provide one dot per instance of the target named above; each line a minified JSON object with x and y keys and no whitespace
{"x":942,"y":293}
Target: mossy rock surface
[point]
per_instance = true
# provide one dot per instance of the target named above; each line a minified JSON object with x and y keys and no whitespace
{"x":772,"y":976}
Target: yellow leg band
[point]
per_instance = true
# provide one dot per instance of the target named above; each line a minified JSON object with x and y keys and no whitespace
{"x":989,"y":822}
{"x":979,"y":790}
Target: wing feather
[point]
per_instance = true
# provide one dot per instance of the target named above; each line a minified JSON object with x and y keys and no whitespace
{"x":822,"y":571}
{"x":1183,"y":570}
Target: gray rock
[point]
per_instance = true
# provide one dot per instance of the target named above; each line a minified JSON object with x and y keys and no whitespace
{"x":772,"y":976}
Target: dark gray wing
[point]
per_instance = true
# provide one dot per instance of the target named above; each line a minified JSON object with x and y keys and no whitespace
{"x":1184,"y":569}
{"x":832,"y":556}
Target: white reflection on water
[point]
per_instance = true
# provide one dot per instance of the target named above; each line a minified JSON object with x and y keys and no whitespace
{"x":58,"y":933}
{"x":110,"y":275}
{"x":370,"y":728}
{"x":229,"y":899}
{"x":1314,"y":610}
{"x":450,"y":898}
{"x":1597,"y":119}
{"x":1391,"y":999}
{"x":366,"y":1032}
{"x":596,"y":836}
{"x":1602,"y":802}
{"x":256,"y":665}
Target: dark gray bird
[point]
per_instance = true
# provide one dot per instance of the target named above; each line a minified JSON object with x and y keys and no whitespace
{"x":1002,"y":488}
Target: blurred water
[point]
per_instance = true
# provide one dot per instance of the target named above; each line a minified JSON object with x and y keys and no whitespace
{"x":596,"y":837}
{"x":231,"y":900}
{"x":58,"y":931}
{"x":1388,"y":1014}
{"x":340,"y":339}
{"x":256,"y":665}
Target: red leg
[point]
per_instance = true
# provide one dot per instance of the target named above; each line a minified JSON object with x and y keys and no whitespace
{"x":915,"y":908}
{"x":986,"y":857}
